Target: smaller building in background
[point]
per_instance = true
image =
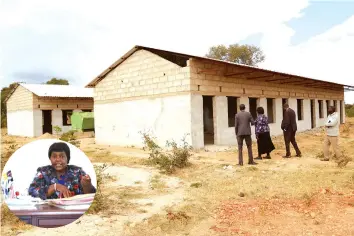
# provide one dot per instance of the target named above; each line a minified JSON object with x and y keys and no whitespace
{"x":35,"y":109}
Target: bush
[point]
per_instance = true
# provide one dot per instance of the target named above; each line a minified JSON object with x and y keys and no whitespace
{"x":100,"y":202}
{"x":57,"y":130}
{"x":70,"y":138}
{"x":178,"y":157}
{"x":349,"y":111}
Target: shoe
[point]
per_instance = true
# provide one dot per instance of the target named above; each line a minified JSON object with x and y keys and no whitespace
{"x":258,"y":158}
{"x":286,"y":156}
{"x":240,"y":164}
{"x":252,"y":163}
{"x":324,"y":159}
{"x":268,"y":157}
{"x":298,"y":155}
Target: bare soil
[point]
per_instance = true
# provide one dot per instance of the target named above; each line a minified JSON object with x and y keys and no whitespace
{"x":213,"y":196}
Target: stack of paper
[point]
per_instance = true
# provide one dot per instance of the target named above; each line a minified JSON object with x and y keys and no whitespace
{"x":82,"y":201}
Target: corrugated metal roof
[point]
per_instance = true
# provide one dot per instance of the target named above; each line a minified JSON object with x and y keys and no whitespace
{"x":95,"y":81}
{"x":63,"y":91}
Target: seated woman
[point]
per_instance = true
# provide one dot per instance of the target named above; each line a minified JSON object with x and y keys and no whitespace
{"x":60,"y":180}
{"x":264,"y":141}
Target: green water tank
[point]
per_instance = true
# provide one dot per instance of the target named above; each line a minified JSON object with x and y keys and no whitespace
{"x":81,"y":121}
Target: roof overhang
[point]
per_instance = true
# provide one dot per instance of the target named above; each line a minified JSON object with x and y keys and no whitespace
{"x":244,"y":71}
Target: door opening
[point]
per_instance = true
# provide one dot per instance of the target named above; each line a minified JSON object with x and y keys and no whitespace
{"x":253,"y":107}
{"x":313,"y":114}
{"x":47,"y":121}
{"x":284,"y":101}
{"x":208,"y":121}
{"x":341,"y":112}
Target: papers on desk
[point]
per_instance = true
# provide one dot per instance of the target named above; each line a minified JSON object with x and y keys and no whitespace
{"x":78,"y":200}
{"x":22,"y":207}
{"x":20,"y":204}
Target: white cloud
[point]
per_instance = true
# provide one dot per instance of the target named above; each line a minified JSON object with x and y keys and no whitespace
{"x":79,"y":39}
{"x":327,"y":56}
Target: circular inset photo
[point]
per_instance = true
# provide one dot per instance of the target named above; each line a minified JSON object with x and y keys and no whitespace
{"x":48,"y":183}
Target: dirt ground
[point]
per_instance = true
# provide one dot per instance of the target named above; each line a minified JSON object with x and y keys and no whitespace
{"x":213,"y":196}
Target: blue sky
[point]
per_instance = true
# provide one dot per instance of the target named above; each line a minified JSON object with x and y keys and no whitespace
{"x":41,"y":39}
{"x":318,"y":17}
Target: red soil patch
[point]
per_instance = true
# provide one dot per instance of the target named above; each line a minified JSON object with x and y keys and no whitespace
{"x":287,"y":216}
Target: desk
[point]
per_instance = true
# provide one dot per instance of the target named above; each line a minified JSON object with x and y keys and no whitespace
{"x":47,"y":216}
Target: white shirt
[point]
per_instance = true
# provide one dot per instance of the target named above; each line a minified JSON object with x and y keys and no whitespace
{"x":332,"y":124}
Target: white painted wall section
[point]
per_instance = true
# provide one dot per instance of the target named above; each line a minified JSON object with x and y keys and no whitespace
{"x":165,"y":118}
{"x":197,"y":129}
{"x":20,"y":123}
{"x":275,"y":128}
{"x":306,"y":123}
{"x":320,"y":121}
{"x":37,"y":124}
{"x":223,"y":134}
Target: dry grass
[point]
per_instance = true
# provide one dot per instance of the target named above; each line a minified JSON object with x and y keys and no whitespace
{"x":255,"y":183}
{"x":11,"y":224}
{"x":210,"y":185}
{"x":96,"y":155}
{"x":156,"y":183}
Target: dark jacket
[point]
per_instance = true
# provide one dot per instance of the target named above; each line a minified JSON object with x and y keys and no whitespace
{"x":289,"y":121}
{"x":243,"y":119}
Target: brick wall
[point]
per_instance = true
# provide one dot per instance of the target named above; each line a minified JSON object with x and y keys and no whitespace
{"x":21,"y":99}
{"x":143,"y":74}
{"x":62,"y":103}
{"x":208,"y":77}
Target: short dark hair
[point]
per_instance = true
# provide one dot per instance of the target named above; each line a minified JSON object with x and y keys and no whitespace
{"x":260,"y":110}
{"x":242,"y":107}
{"x":286,"y":105}
{"x":59,"y":147}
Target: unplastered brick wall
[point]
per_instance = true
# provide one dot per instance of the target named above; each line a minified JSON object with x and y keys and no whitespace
{"x":62,"y":103}
{"x":143,"y":74}
{"x":21,"y":99}
{"x":208,"y":78}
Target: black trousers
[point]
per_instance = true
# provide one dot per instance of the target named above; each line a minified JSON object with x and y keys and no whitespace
{"x":248,"y":140}
{"x":289,"y":137}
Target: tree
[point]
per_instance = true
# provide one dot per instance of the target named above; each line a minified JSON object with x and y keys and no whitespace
{"x":242,"y":54}
{"x":58,"y":81}
{"x":5,"y":91}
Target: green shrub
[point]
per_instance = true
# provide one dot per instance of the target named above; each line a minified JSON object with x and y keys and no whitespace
{"x":178,"y":157}
{"x":57,"y":130}
{"x":70,"y":138}
{"x":349,"y":111}
{"x":100,"y":202}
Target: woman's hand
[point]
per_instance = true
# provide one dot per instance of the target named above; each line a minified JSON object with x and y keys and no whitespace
{"x":86,"y":181}
{"x":63,"y":191}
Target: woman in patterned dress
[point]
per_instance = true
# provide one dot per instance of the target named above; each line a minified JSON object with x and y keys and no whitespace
{"x":264,"y":141}
{"x":60,"y":180}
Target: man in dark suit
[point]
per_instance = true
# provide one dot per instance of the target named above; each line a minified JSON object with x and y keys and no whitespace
{"x":243,"y":119}
{"x":289,"y":127}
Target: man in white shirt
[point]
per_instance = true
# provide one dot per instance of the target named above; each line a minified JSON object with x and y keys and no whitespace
{"x":332,"y":129}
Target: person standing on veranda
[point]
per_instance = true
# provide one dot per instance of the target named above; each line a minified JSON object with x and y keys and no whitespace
{"x":332,"y":131}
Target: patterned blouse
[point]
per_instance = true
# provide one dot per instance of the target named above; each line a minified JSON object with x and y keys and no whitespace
{"x":261,"y":124}
{"x":46,"y":176}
